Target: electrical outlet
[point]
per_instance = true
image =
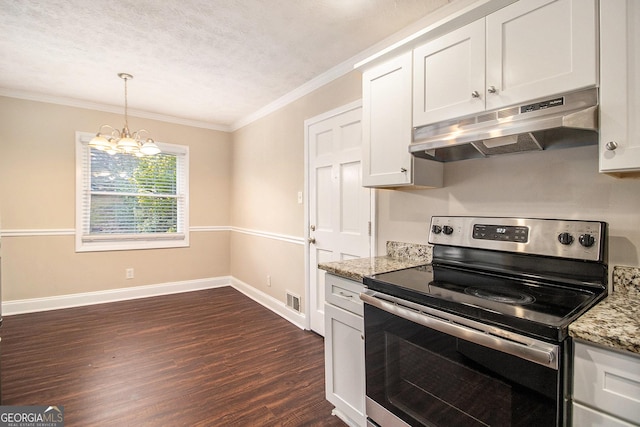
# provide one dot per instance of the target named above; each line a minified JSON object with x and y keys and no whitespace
{"x":268,"y":281}
{"x":129,"y":273}
{"x":299,"y":197}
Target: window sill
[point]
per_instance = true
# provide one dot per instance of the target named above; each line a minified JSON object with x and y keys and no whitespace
{"x":120,"y":245}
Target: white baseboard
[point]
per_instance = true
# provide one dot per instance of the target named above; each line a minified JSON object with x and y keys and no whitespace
{"x":270,"y":302}
{"x":99,"y":297}
{"x":33,"y":305}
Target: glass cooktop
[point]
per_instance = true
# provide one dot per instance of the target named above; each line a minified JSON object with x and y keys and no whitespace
{"x":537,"y":307}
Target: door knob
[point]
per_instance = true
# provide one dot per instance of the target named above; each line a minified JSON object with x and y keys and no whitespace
{"x":475,"y":94}
{"x":492,"y":89}
{"x":312,"y":240}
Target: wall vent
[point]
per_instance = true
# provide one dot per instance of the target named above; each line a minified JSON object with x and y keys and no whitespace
{"x":293,"y":301}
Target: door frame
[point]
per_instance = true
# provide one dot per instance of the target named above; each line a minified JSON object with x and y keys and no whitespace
{"x":372,"y":239}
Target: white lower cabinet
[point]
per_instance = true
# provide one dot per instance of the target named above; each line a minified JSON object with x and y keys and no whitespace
{"x":584,"y":416}
{"x":344,"y":350}
{"x":606,"y":387}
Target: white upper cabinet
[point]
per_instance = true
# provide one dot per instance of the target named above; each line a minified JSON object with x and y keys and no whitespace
{"x":619,"y":86}
{"x":540,"y":47}
{"x":524,"y":51}
{"x":386,"y":129}
{"x":386,"y":122}
{"x":448,"y":75}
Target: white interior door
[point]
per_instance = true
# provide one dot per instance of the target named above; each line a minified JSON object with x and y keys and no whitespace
{"x":339,"y":209}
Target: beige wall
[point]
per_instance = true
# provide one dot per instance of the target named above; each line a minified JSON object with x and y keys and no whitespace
{"x":249,"y":180}
{"x":37,"y":192}
{"x":268,"y":168}
{"x":549,"y":184}
{"x":268,"y":172}
{"x":250,"y":183}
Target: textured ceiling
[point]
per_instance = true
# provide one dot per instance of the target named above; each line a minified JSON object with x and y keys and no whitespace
{"x":211,"y":61}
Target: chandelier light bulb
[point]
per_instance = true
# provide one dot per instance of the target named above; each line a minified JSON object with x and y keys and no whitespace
{"x":149,"y":148}
{"x":100,"y":142}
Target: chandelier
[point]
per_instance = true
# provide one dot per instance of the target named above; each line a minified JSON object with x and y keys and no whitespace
{"x":124,"y":141}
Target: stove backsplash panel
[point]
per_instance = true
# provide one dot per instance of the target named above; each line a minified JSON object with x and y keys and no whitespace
{"x":409,"y":251}
{"x":626,"y":279}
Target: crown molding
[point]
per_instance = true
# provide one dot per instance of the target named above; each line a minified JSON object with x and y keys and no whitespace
{"x":72,"y":102}
{"x":394,"y":41}
{"x":313,"y":84}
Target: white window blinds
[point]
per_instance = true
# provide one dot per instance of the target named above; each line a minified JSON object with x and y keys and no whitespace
{"x":129,"y":202}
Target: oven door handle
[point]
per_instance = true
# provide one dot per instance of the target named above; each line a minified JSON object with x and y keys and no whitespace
{"x":533,"y":350}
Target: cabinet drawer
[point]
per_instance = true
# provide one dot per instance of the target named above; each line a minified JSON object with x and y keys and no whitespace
{"x":583,"y":416}
{"x":344,"y":293}
{"x":608,"y":381}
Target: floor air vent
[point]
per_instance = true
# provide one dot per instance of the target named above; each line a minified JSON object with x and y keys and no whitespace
{"x":293,"y":301}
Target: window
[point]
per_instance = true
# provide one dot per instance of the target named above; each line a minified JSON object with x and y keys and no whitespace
{"x":128,"y":202}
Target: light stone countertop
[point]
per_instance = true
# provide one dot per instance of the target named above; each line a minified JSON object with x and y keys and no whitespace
{"x":399,"y":256}
{"x":615,"y":321}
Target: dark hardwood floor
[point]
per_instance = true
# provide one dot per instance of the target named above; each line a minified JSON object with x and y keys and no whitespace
{"x":206,"y":358}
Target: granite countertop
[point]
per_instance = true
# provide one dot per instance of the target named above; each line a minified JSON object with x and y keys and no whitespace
{"x":399,"y":256}
{"x":615,"y":321}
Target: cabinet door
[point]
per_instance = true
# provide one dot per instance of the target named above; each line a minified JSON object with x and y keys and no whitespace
{"x":386,"y":123}
{"x":344,"y":363}
{"x":448,"y":75}
{"x":619,"y":86}
{"x":606,"y":380}
{"x":537,"y":48}
{"x":583,"y":416}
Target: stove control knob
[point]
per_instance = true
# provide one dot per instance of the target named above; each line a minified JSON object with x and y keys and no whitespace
{"x":447,"y":230}
{"x":565,"y":238}
{"x":436,"y":229}
{"x":586,"y":240}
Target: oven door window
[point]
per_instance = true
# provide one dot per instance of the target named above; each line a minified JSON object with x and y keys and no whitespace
{"x":425,"y":377}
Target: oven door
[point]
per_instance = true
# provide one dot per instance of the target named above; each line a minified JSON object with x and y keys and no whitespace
{"x":429,"y":368}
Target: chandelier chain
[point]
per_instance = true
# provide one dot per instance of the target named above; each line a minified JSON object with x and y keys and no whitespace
{"x":126,"y":104}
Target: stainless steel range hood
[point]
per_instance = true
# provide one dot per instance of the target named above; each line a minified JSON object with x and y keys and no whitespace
{"x":555,"y":122}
